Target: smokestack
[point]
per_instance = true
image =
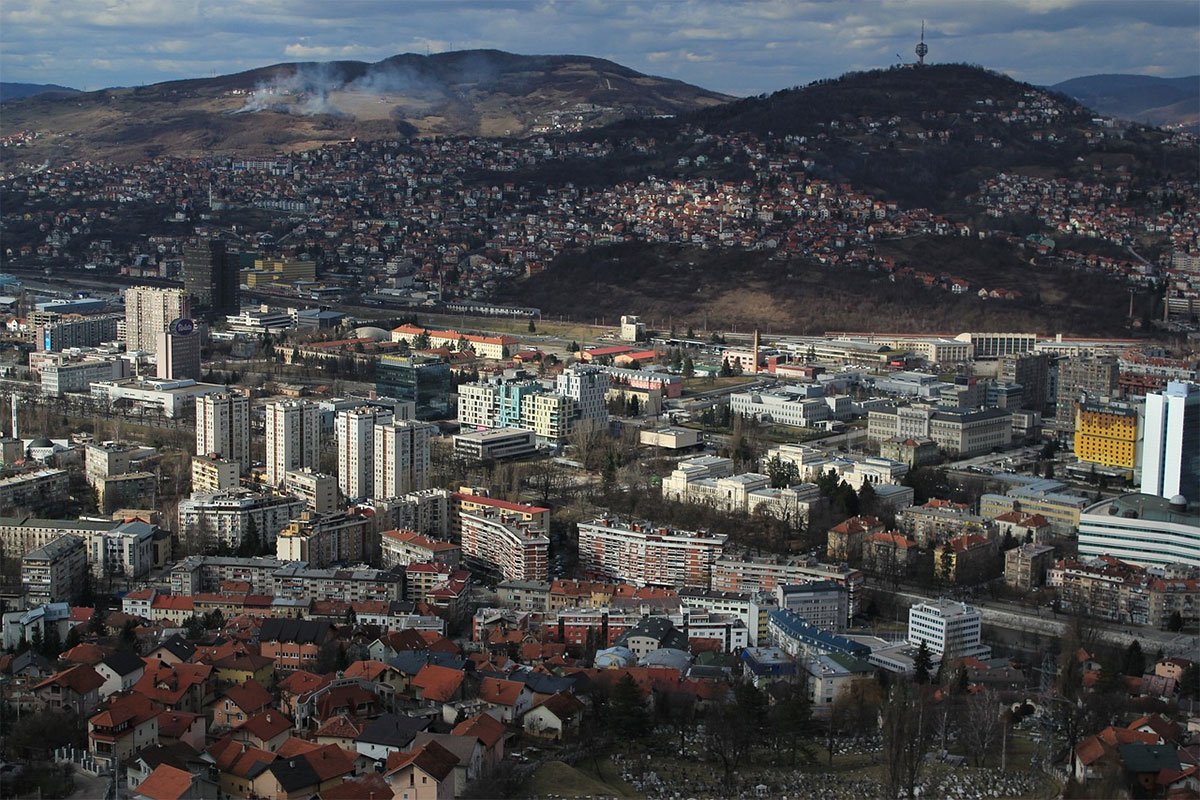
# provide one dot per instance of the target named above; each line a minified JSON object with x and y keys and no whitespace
{"x":15,"y":433}
{"x":754,"y":355}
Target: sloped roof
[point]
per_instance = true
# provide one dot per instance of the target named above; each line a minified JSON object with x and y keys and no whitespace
{"x":165,"y":783}
{"x":430,"y":757}
{"x":438,"y":683}
{"x":301,"y":682}
{"x":123,"y":663}
{"x":563,"y":705}
{"x":393,"y":730}
{"x":371,"y":785}
{"x":499,"y":691}
{"x":297,"y":631}
{"x":250,"y":696}
{"x":80,"y":679}
{"x":484,"y":727}
{"x":341,"y":726}
{"x":267,"y":725}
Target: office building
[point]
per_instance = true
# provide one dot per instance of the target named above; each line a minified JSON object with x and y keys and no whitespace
{"x":1031,"y":372}
{"x":423,"y":380}
{"x":401,"y":458}
{"x":948,"y":629}
{"x":1171,"y":446}
{"x":822,"y":604}
{"x":280,"y":272}
{"x":958,"y":431}
{"x":293,"y":434}
{"x":223,"y":427}
{"x":645,"y":554}
{"x":495,"y":445}
{"x":178,"y":351}
{"x":210,"y":277}
{"x":149,"y":311}
{"x":354,"y":431}
{"x":1142,"y":529}
{"x":1108,"y":434}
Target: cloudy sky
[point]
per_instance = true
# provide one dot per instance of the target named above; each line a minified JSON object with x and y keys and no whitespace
{"x":735,"y":47}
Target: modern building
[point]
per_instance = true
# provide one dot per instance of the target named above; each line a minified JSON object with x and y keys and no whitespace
{"x":505,"y":544}
{"x":354,"y":431}
{"x":823,"y":604}
{"x":495,"y":445}
{"x":177,"y":351}
{"x":423,"y":380}
{"x":1171,"y":447}
{"x":279,"y":272}
{"x":948,"y":629}
{"x":1108,"y":434}
{"x":401,"y":457}
{"x":149,"y":311}
{"x":210,"y":277}
{"x":169,"y":398}
{"x":293,"y":434}
{"x":1142,"y":529}
{"x":645,"y":554}
{"x":587,"y":387}
{"x":1030,"y":371}
{"x":223,"y":427}
{"x":78,"y":375}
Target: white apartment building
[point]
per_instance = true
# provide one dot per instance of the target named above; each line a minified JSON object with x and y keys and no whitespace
{"x":354,"y":430}
{"x":293,"y":435}
{"x":318,"y":490}
{"x":125,"y":549}
{"x":401,"y":457}
{"x":223,"y":427}
{"x":149,"y":311}
{"x":54,"y":572}
{"x":587,"y":386}
{"x":648,"y":555}
{"x":226,"y":516}
{"x":751,"y":609}
{"x":516,"y":549}
{"x":947,"y":628}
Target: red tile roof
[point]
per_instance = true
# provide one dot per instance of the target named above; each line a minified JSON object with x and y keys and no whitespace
{"x":85,"y":653}
{"x":165,"y":783}
{"x":359,"y":788}
{"x":340,"y":727}
{"x":484,"y":727}
{"x":267,"y":725}
{"x":250,"y":697}
{"x":174,"y":724}
{"x":80,"y":679}
{"x":430,"y":757}
{"x":438,"y":683}
{"x":499,"y":691}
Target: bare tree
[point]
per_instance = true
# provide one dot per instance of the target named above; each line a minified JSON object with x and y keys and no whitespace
{"x":907,"y":731}
{"x":980,"y":725}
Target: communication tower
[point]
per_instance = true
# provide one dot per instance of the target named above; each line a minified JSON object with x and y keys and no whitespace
{"x":922,"y":48}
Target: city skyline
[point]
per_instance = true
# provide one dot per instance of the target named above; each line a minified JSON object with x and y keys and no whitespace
{"x":753,"y":48}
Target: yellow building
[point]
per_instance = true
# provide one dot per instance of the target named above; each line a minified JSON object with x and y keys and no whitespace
{"x":1107,"y":434}
{"x":279,"y":272}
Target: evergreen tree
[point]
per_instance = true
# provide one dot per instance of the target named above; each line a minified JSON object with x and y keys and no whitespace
{"x":532,"y":326}
{"x":626,"y":710}
{"x":689,"y":367}
{"x":922,"y":663}
{"x":1134,"y":664}
{"x":421,"y":341}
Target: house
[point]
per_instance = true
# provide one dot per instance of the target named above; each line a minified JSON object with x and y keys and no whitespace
{"x":379,"y":673}
{"x":246,"y":665}
{"x":426,"y":773}
{"x":506,"y":700}
{"x":340,"y":730}
{"x":467,"y":749}
{"x":297,"y":684}
{"x":844,"y":541}
{"x":368,"y":786}
{"x":491,"y":734}
{"x":127,"y":725}
{"x":293,"y":643}
{"x":120,"y":671}
{"x":84,"y":653}
{"x":437,"y":684}
{"x":556,"y":717}
{"x":169,"y":783}
{"x":178,"y":687}
{"x":240,"y":703}
{"x":182,"y":727}
{"x":238,"y":765}
{"x":76,"y":689}
{"x":173,"y":650}
{"x":267,"y":730}
{"x":178,"y":756}
{"x":389,"y":733}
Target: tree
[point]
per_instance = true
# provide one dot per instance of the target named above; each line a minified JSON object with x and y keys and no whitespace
{"x":782,"y":473}
{"x":981,"y":726}
{"x":946,"y":563}
{"x":96,"y":621}
{"x":327,"y":657}
{"x":906,"y":738}
{"x":791,"y":715}
{"x":1134,"y":664}
{"x":193,"y":627}
{"x":689,"y":367}
{"x":463,"y":344}
{"x":532,"y":326}
{"x":922,"y":663}
{"x":626,"y":710}
{"x":128,"y":640}
{"x":725,"y":736}
{"x":421,"y":341}
{"x":1175,"y":623}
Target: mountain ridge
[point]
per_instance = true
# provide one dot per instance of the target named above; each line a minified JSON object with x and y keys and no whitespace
{"x":1166,"y":102}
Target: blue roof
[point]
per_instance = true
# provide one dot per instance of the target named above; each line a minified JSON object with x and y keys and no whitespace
{"x":796,"y":627}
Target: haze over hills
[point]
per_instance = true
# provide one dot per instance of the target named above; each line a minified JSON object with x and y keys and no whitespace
{"x":296,"y":106}
{"x":15,"y":91}
{"x":1168,"y":102}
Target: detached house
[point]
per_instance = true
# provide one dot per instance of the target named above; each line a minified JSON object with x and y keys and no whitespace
{"x":426,"y":773}
{"x":120,"y":671}
{"x":129,"y":724}
{"x":557,"y":717}
{"x":76,"y":689}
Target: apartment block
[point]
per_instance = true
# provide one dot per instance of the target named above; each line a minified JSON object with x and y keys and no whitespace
{"x":646,"y":554}
{"x":223,"y":427}
{"x":54,"y":572}
{"x":149,"y":311}
{"x":322,"y":540}
{"x":214,"y":474}
{"x":401,"y":548}
{"x":1025,"y":567}
{"x":318,"y":490}
{"x":401,"y":457}
{"x":503,"y":543}
{"x":354,"y":430}
{"x":229,"y":516}
{"x":948,"y":629}
{"x":293,"y":433}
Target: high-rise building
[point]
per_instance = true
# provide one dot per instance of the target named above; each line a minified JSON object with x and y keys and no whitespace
{"x":645,"y":554}
{"x":1080,"y":376}
{"x":149,"y":311}
{"x":1031,"y":371}
{"x":587,"y":386}
{"x":293,"y":438}
{"x":354,"y":431}
{"x":423,"y":380}
{"x":401,"y":458}
{"x":223,"y":427}
{"x":1108,"y":433}
{"x":947,"y":628}
{"x":1171,"y":445}
{"x":210,"y":277}
{"x":178,"y":351}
